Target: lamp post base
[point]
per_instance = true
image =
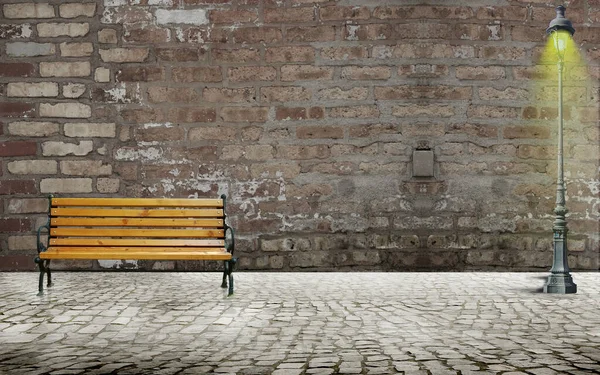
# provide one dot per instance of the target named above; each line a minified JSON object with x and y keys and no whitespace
{"x":560,"y":283}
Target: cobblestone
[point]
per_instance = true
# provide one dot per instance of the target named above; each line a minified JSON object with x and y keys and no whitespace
{"x":298,"y":323}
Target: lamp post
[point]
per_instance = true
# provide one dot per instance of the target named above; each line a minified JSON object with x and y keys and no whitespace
{"x":560,"y":280}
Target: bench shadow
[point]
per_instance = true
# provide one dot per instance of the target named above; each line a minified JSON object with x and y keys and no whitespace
{"x":532,"y":290}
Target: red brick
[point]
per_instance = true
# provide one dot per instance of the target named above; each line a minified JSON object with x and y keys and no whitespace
{"x":424,"y":31}
{"x":344,"y":53}
{"x":488,"y":111}
{"x":195,"y":153}
{"x":536,"y":152}
{"x":504,"y":13}
{"x":229,"y":17}
{"x":225,"y":95}
{"x":159,"y":134}
{"x":193,"y":114}
{"x":294,"y":152}
{"x":257,"y":35}
{"x":480,"y":72}
{"x":340,"y":13}
{"x":594,"y":16}
{"x":15,"y":109}
{"x":311,"y":34}
{"x":316,"y":112}
{"x":285,"y":94}
{"x":534,"y":72}
{"x":526,"y":34}
{"x":502,"y":53}
{"x":172,"y":94}
{"x":15,"y":187}
{"x":585,"y":114}
{"x":287,"y":114}
{"x":180,"y":54}
{"x":219,"y":133}
{"x":11,"y":31}
{"x":15,"y":225}
{"x":422,"y":92}
{"x":438,"y":12}
{"x":357,"y":111}
{"x":146,"y":34}
{"x":142,"y":115}
{"x":200,"y":35}
{"x":509,"y":168}
{"x":18,"y":148}
{"x":423,"y":70}
{"x":252,"y":73}
{"x":203,"y":2}
{"x":587,"y":35}
{"x":373,"y":130}
{"x":290,"y":54}
{"x":244,"y":114}
{"x":538,"y":132}
{"x":197,"y":74}
{"x":479,"y":32}
{"x":106,"y":95}
{"x":313,"y":132}
{"x":236,"y":56}
{"x":366,"y":72}
{"x":551,"y":113}
{"x":144,"y":74}
{"x":305,"y":72}
{"x":369,"y":32}
{"x":478,"y":130}
{"x":128,"y":15}
{"x":16,"y":69}
{"x":164,"y":171}
{"x":288,"y":15}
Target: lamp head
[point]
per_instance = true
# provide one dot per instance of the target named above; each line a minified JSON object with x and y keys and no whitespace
{"x":560,"y":22}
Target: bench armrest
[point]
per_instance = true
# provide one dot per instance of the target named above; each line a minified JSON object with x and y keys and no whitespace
{"x":229,"y":246}
{"x":40,"y":246}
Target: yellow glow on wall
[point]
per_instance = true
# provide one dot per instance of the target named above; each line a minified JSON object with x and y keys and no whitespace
{"x":560,"y":46}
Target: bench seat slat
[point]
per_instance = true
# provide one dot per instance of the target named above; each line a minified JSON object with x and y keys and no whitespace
{"x":166,"y":253}
{"x":134,"y":242}
{"x":118,"y":232}
{"x":111,"y":212}
{"x":134,"y":222}
{"x":136,"y":202}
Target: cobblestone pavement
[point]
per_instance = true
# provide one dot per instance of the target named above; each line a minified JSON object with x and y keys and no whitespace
{"x":298,"y":323}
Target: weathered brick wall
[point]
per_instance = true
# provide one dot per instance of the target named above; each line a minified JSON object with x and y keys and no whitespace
{"x":306,"y":113}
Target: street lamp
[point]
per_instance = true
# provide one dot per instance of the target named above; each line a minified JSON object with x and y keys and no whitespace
{"x":560,"y":280}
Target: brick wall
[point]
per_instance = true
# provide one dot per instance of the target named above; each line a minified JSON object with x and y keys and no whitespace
{"x":306,"y":113}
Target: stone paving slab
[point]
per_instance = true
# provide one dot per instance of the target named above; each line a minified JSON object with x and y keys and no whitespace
{"x":298,"y":323}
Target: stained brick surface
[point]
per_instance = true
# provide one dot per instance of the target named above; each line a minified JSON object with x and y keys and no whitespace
{"x":307,"y":114}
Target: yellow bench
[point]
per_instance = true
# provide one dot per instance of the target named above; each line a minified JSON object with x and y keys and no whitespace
{"x":136,"y":228}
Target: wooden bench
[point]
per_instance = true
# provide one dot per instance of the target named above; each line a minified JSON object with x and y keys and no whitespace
{"x":136,"y":228}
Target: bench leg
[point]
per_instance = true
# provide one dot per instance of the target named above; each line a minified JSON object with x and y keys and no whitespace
{"x":224,"y":283}
{"x":49,"y":273}
{"x":42,"y":271}
{"x":230,"y":272}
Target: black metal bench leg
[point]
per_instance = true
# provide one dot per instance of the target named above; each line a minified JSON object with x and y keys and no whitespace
{"x":224,"y":283}
{"x":49,"y":273}
{"x":230,"y":271}
{"x":42,"y":271}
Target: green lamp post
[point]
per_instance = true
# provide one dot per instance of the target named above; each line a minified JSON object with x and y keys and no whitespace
{"x":560,"y":280}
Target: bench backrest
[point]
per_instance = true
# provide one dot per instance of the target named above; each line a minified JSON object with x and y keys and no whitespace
{"x":124,"y":222}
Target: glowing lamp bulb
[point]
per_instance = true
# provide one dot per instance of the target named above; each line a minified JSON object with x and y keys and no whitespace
{"x":560,"y":43}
